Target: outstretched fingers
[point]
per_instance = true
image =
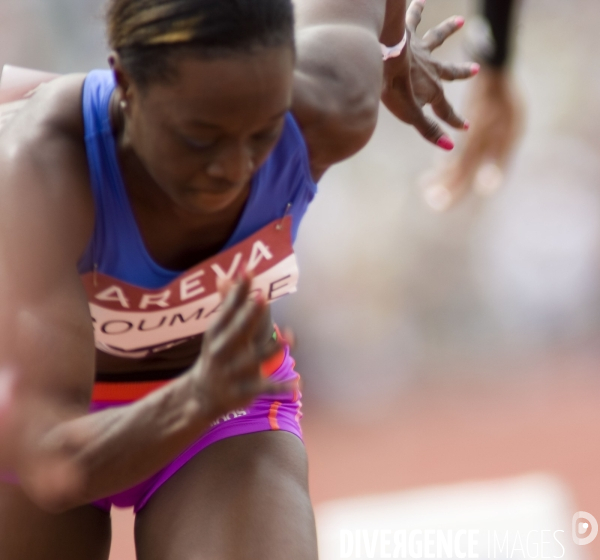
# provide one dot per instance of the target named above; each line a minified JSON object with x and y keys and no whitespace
{"x":442,"y":108}
{"x":430,"y":130}
{"x":436,"y":36}
{"x":450,"y":71}
{"x":413,"y":15}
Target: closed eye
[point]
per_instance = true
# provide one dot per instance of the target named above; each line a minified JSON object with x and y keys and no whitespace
{"x":198,"y":144}
{"x":267,"y":135}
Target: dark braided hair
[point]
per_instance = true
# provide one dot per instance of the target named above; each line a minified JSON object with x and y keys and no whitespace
{"x":147,"y":34}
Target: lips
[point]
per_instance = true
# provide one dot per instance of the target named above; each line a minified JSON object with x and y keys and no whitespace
{"x":213,"y":189}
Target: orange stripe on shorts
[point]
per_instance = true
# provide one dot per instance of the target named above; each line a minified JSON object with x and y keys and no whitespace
{"x":273,"y":415}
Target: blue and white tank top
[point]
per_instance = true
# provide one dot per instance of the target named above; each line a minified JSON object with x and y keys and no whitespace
{"x":282,"y":185}
{"x":141,"y":309}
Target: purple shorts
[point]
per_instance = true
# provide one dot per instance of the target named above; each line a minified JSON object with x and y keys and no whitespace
{"x":272,"y":412}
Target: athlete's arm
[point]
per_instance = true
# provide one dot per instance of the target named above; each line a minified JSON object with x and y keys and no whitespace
{"x":63,"y":456}
{"x":340,"y":77}
{"x":46,"y":341}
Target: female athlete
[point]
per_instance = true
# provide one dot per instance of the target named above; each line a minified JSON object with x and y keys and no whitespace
{"x":128,"y":199}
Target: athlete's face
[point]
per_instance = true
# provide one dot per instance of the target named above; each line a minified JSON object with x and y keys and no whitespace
{"x":202,"y":136}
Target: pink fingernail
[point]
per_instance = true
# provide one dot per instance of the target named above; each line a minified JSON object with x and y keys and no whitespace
{"x":459,"y":21}
{"x":475,"y":69}
{"x":445,"y":143}
{"x":466,"y":125}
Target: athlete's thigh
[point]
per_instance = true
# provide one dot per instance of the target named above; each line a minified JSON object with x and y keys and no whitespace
{"x":244,"y":497}
{"x":27,"y":532}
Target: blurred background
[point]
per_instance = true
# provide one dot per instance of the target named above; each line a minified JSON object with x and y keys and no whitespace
{"x":438,"y":351}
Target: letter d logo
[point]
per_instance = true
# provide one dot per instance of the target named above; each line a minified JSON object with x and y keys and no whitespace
{"x":582,"y":522}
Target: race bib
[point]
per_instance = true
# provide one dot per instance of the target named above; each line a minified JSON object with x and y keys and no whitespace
{"x":134,"y":322}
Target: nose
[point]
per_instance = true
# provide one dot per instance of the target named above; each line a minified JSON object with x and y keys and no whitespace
{"x":233,"y":163}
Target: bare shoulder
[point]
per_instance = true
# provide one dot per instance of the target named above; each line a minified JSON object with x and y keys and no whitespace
{"x":44,"y":176}
{"x":337,"y":89}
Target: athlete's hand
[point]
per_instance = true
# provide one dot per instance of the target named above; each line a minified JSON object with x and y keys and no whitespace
{"x":228,"y":371}
{"x":496,"y":112}
{"x":414,"y":79}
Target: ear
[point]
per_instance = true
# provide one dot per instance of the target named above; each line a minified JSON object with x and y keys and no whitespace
{"x":122,"y":79}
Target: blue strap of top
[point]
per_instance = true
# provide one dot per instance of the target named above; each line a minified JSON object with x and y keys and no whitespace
{"x":117,"y":247}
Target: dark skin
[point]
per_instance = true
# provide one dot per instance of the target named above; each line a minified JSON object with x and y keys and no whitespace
{"x":186,"y":202}
{"x":188,"y":167}
{"x":188,"y":150}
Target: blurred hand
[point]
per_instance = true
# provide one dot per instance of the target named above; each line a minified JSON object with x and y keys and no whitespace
{"x":414,"y":79}
{"x":495,"y":110}
{"x":228,"y":371}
